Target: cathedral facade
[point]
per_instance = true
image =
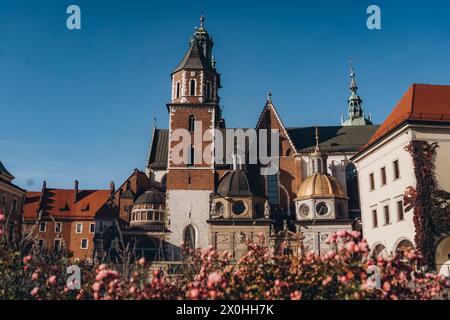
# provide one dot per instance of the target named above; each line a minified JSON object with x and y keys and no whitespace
{"x":224,"y":205}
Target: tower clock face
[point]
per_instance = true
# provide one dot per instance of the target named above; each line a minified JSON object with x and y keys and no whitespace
{"x":238,"y":207}
{"x":304,"y":210}
{"x":322,"y":208}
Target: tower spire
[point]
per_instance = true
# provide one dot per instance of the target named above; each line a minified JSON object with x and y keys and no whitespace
{"x":355,"y":109}
{"x":318,"y":163}
{"x":317,"y":149}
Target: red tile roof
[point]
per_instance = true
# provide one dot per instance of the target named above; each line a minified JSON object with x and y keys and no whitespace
{"x":422,"y":102}
{"x":60,"y":203}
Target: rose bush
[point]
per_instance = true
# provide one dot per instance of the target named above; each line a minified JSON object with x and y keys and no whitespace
{"x":341,"y":274}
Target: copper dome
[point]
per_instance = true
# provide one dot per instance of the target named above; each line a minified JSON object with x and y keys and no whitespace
{"x":320,"y":185}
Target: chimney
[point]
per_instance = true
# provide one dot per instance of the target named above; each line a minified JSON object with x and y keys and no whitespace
{"x":44,"y":185}
{"x":112,"y":187}
{"x":76,"y":190}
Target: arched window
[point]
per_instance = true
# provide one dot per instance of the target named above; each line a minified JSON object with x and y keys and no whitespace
{"x":192,"y":87}
{"x":208,"y":90}
{"x":191,"y":156}
{"x":273,"y":189}
{"x":351,"y":177}
{"x":189,"y":237}
{"x":178,"y":90}
{"x":219,"y":209}
{"x":191,"y":123}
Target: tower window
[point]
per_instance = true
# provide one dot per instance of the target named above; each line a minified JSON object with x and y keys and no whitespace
{"x":177,"y":95}
{"x":192,"y":87}
{"x":191,"y":156}
{"x":191,"y":123}
{"x":208,"y":90}
{"x":189,"y":237}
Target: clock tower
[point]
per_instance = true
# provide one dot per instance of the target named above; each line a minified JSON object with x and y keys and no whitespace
{"x":194,"y":108}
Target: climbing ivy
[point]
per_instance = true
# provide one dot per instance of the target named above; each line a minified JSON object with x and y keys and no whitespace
{"x":429,"y":205}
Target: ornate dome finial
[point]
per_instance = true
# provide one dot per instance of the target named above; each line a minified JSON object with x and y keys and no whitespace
{"x":269,"y":96}
{"x":317,"y":149}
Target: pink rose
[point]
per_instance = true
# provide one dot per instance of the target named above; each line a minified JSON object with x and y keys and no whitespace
{"x":2,"y":217}
{"x":27,"y":259}
{"x":35,"y":291}
{"x":52,"y":280}
{"x":297,"y":295}
{"x":193,"y":294}
{"x":214,"y":278}
{"x":386,"y":286}
{"x":341,"y":233}
{"x":355,"y":234}
{"x":101,"y":275}
{"x":142,"y":262}
{"x":35,"y":276}
{"x":96,"y":286}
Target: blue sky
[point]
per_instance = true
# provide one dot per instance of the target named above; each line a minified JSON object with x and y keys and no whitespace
{"x":80,"y":104}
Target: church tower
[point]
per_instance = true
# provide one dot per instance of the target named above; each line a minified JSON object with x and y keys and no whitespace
{"x":194,"y":107}
{"x":355,"y":110}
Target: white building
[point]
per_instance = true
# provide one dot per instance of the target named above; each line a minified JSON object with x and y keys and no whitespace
{"x":386,"y":169}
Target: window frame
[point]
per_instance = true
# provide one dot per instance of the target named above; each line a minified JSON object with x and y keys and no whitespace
{"x":396,"y":169}
{"x":374,"y":218}
{"x":277,"y":191}
{"x":387,"y":215}
{"x":192,"y":88}
{"x":76,"y":228}
{"x":91,"y":224}
{"x":87,"y":244}
{"x":383,"y":175}
{"x":43,"y":223}
{"x":60,"y":227}
{"x":400,"y":211}
{"x":372,"y":181}
{"x":177,"y":90}
{"x":54,"y":244}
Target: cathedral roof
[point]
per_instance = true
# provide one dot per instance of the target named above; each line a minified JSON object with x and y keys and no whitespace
{"x":320,"y":185}
{"x":159,"y":149}
{"x":332,"y":138}
{"x":422,"y":102}
{"x":194,"y":58}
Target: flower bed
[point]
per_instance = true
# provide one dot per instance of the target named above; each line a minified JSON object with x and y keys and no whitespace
{"x":346,"y":273}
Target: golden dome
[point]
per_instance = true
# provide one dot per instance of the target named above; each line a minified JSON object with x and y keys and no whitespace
{"x":320,"y":185}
